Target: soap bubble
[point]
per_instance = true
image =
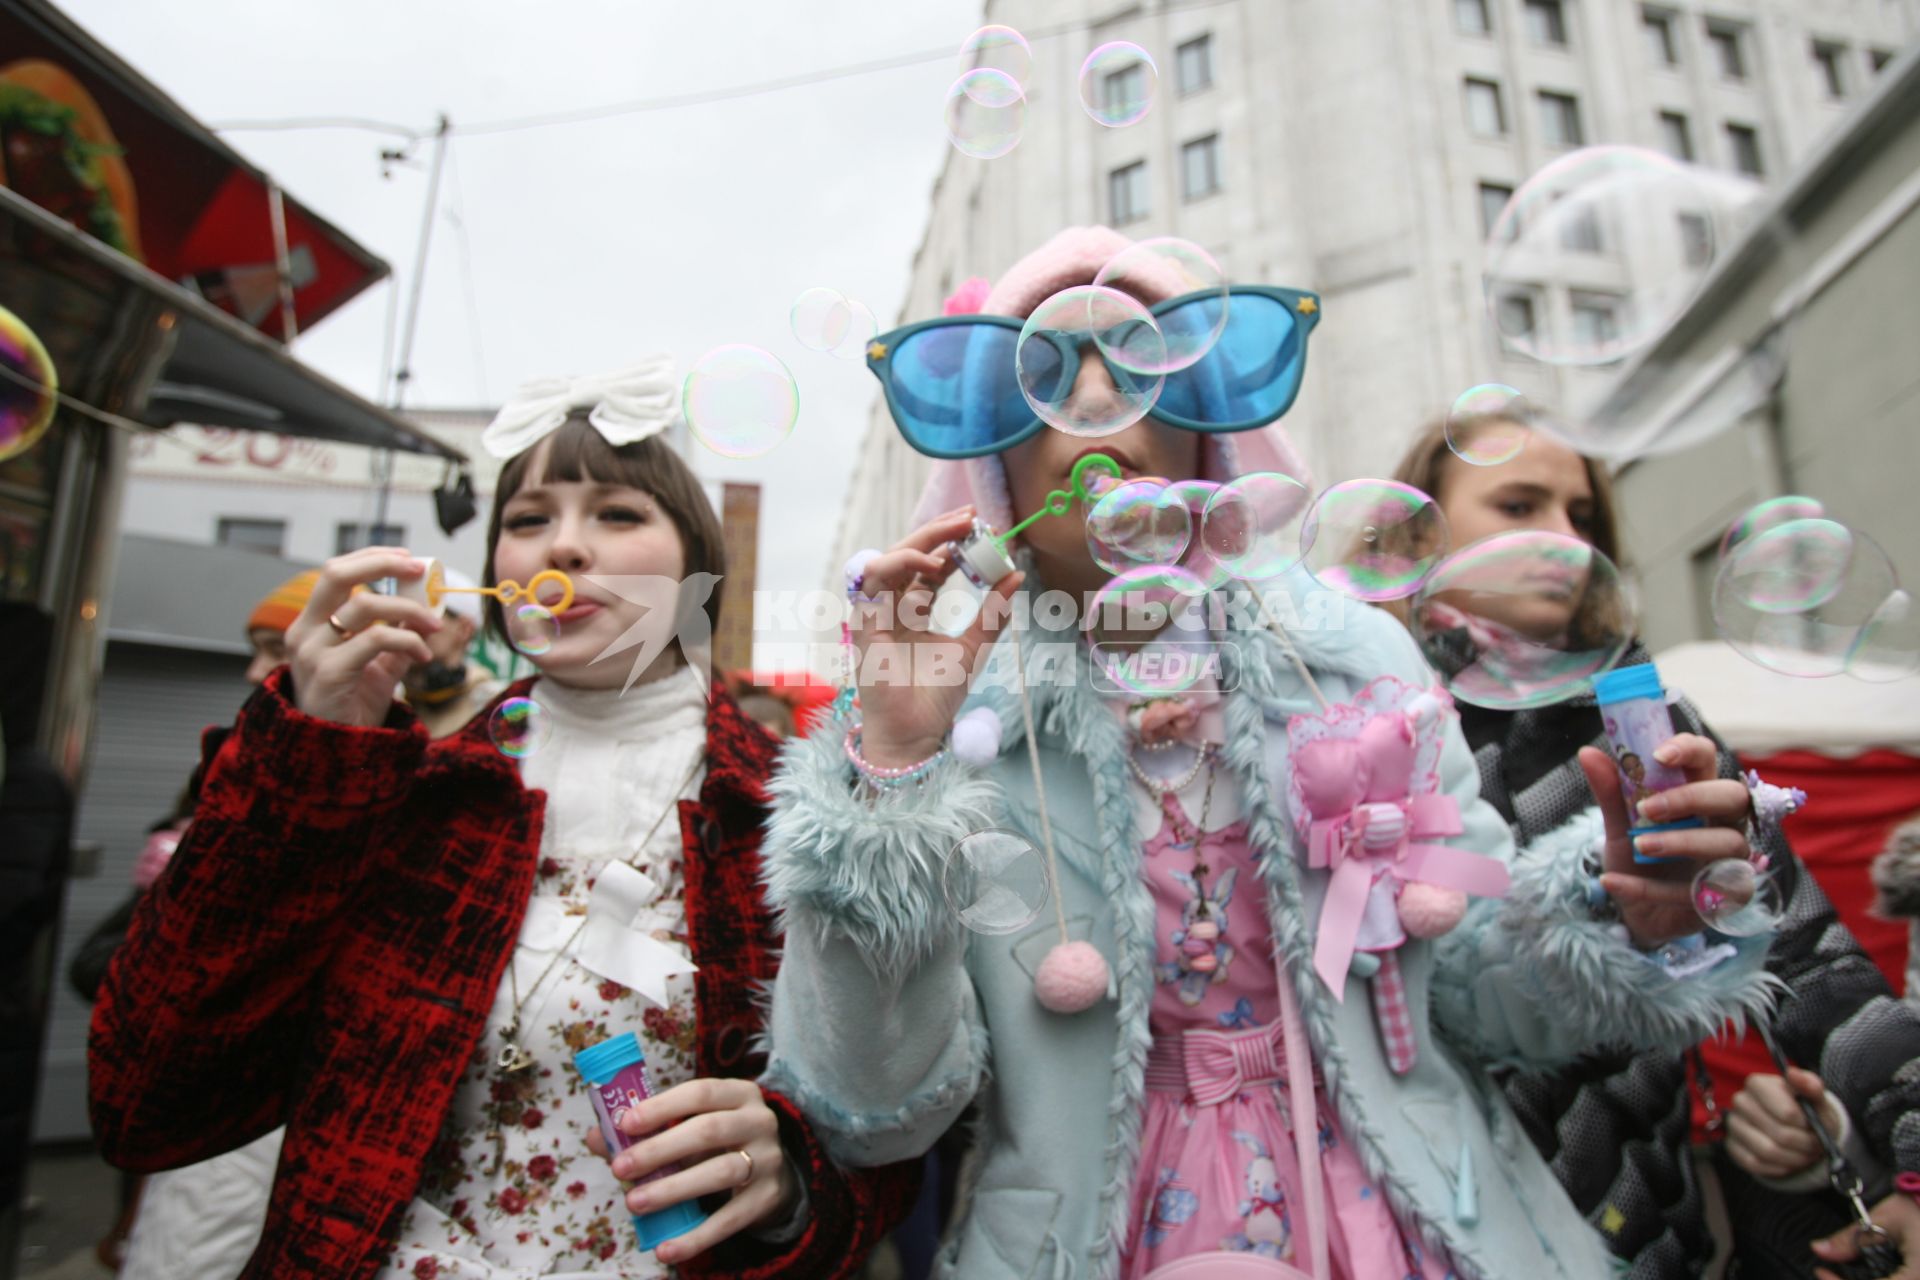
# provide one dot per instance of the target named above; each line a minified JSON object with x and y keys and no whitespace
{"x":997,"y":48}
{"x":986,"y":113}
{"x":1117,"y":84}
{"x":532,"y":628}
{"x":1135,"y":523}
{"x":1160,"y":269}
{"x":740,"y":401}
{"x":1625,"y":233}
{"x":29,"y":396}
{"x":862,"y":328}
{"x":1487,"y":425}
{"x":519,"y":727}
{"x":1151,"y":601}
{"x":995,"y":882}
{"x":1802,"y":597}
{"x":1199,"y":560}
{"x":1522,"y":618}
{"x":1374,"y":540}
{"x":1763,"y":516}
{"x":820,"y":318}
{"x":1735,"y":898}
{"x":1252,"y":525}
{"x":1060,"y":337}
{"x":1888,"y":646}
{"x":1792,"y":567}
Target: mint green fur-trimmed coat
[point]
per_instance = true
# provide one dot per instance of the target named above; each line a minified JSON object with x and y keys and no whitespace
{"x":890,"y":1021}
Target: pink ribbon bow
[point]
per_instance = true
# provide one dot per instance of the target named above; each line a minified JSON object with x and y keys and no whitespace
{"x":1221,"y":1063}
{"x":1365,"y":842}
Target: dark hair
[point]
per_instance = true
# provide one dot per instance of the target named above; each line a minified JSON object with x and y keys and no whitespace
{"x":576,"y":451}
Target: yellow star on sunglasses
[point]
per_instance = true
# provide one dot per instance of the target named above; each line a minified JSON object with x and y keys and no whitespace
{"x":1307,"y":306}
{"x":876,"y":351}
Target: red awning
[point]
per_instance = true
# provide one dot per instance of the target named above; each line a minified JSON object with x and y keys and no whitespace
{"x":196,"y":212}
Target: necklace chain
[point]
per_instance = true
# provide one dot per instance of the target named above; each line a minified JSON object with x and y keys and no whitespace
{"x":513,"y":1057}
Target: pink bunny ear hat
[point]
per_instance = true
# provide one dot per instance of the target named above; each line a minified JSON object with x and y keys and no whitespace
{"x":1074,"y":256}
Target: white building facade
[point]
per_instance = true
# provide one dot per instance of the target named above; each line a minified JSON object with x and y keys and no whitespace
{"x":1362,"y":150}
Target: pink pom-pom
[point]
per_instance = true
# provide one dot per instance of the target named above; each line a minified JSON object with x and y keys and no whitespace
{"x":969,"y":297}
{"x":1072,"y":977}
{"x":1429,"y":910}
{"x":976,"y":737}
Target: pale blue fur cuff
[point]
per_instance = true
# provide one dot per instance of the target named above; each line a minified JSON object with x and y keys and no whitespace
{"x":1535,"y":981}
{"x":868,"y":866}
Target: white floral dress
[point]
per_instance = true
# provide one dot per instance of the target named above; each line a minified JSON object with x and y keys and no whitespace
{"x":534,"y":1201}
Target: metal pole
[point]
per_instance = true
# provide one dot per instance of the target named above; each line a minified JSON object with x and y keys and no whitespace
{"x":405,"y":372}
{"x":282,"y":264}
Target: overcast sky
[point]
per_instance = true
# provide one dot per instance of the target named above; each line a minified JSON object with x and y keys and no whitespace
{"x":592,"y":244}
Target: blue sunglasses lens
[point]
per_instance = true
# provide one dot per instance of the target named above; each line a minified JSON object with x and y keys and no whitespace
{"x":954,"y":390}
{"x":1250,"y":375}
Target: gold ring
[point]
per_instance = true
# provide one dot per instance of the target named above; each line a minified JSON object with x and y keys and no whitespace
{"x":333,"y":621}
{"x":744,"y":1154}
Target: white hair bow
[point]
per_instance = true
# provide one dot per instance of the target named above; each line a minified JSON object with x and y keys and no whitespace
{"x":627,"y":407}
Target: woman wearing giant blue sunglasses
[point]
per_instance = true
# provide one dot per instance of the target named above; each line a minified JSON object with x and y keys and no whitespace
{"x":954,"y":392}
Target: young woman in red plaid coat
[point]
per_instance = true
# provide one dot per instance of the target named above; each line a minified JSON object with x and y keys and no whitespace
{"x":395,"y":946}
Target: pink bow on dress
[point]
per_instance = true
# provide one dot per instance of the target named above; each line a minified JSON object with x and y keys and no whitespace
{"x":1364,"y":825}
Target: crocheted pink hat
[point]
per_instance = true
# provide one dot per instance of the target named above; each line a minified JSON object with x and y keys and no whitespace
{"x":1072,"y":257}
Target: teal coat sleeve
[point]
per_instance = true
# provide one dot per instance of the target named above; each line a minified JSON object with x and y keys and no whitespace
{"x":876,"y":1033}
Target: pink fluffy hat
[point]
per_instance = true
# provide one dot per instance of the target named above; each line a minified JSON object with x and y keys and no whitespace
{"x":1074,"y":257}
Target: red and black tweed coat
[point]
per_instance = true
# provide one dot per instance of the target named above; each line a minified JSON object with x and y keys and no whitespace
{"x":324,"y":949}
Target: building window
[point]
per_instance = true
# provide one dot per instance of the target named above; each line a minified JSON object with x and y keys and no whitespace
{"x":1515,"y":317}
{"x":1596,"y":323}
{"x":351,"y":535}
{"x":269,"y":536}
{"x":1124,"y":90}
{"x":1829,"y":60}
{"x":1127,"y":193}
{"x":1193,"y":63}
{"x":1729,"y":55}
{"x":1560,"y":119}
{"x":1580,"y":231}
{"x":1744,"y":140}
{"x":1472,"y":18}
{"x":1878,"y":59}
{"x":1200,"y":167}
{"x":1485,"y":116}
{"x":1493,"y":200}
{"x":1546,"y":22}
{"x":1662,"y":41}
{"x":1696,"y":239}
{"x":1676,"y":136}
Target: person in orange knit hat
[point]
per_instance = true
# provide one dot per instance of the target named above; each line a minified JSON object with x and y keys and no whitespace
{"x":267,"y":624}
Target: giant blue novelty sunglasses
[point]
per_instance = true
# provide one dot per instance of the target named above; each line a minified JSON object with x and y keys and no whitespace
{"x":954,"y":393}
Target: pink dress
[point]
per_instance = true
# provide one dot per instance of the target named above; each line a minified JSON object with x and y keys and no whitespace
{"x":1218,"y":1169}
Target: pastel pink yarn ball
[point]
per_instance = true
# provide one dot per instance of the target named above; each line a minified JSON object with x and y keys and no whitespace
{"x":1429,"y":911}
{"x":1072,"y":977}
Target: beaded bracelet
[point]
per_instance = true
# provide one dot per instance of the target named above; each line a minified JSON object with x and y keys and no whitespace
{"x":887,"y":775}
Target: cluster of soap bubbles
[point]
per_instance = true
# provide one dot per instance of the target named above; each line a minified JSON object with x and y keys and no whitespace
{"x":1093,"y":359}
{"x":29,"y":387}
{"x":986,"y":107}
{"x":1801,"y":593}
